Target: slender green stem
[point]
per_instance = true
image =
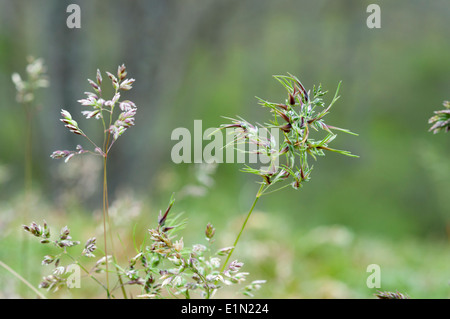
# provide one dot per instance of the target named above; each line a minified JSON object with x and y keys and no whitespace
{"x":106,"y":213}
{"x":258,"y":195}
{"x":104,"y":226}
{"x":28,"y":150}
{"x":27,"y":182}
{"x":106,"y":219}
{"x":208,"y":290}
{"x":87,"y":137}
{"x":22,"y":279}
{"x":275,"y":190}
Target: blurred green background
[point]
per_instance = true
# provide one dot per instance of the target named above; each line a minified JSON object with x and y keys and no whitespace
{"x":201,"y":59}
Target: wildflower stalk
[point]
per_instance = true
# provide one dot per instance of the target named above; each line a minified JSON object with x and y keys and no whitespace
{"x":110,"y":134}
{"x":105,"y":218}
{"x":28,"y":151}
{"x":106,"y":147}
{"x":26,"y":91}
{"x":258,"y":195}
{"x":301,"y":114}
{"x":28,"y":160}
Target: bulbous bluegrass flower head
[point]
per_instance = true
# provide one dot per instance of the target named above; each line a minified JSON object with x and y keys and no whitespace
{"x":301,"y":113}
{"x":441,"y":119}
{"x":36,"y":78}
{"x":103,"y":110}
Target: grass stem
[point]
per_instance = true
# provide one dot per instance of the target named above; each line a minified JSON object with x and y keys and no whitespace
{"x":104,"y":225}
{"x":40,"y":295}
{"x":258,"y":195}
